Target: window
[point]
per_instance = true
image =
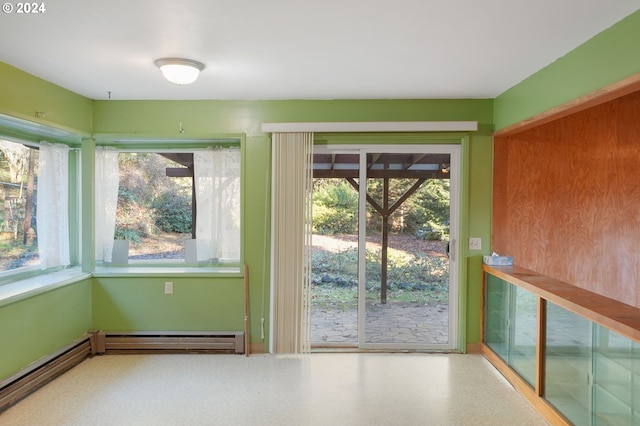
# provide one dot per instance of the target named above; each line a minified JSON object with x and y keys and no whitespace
{"x":19,"y":180}
{"x":154,"y":210}
{"x":34,"y":215}
{"x":168,"y":207}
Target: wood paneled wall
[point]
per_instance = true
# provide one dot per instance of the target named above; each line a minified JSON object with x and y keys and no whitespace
{"x":566,"y":199}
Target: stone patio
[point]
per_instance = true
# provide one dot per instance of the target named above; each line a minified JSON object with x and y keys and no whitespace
{"x":393,"y":323}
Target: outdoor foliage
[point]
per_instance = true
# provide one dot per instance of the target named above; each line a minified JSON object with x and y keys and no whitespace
{"x":424,"y":214}
{"x":15,"y":254}
{"x":335,"y":207}
{"x":430,"y":210}
{"x":149,"y":202}
{"x":173,"y":212}
{"x":410,"y":275}
{"x":19,"y":181}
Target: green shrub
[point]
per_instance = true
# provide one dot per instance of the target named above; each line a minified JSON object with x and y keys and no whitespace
{"x":150,"y":202}
{"x":429,"y":210}
{"x":133,"y":221}
{"x":335,"y":206}
{"x":172,"y":212}
{"x":133,"y":235}
{"x":410,"y":276}
{"x":433,"y":231}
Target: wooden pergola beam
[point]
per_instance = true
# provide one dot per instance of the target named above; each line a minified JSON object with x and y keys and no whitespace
{"x":381,"y":174}
{"x":385,"y":211}
{"x":179,"y":172}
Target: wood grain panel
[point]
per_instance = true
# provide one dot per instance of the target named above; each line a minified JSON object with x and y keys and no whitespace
{"x":602,"y":95}
{"x":567,"y":199}
{"x":499,"y":211}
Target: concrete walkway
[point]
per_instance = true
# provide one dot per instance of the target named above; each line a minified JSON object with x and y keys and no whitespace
{"x":396,"y":323}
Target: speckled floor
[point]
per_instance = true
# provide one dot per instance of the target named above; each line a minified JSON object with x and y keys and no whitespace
{"x":316,"y":389}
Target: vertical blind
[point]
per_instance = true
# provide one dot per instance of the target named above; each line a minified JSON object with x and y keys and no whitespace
{"x":291,"y":230}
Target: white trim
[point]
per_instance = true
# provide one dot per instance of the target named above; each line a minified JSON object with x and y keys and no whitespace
{"x":373,"y":126}
{"x":28,"y":287}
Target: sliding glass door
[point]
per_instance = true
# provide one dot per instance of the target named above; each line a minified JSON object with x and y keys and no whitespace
{"x":396,"y":271}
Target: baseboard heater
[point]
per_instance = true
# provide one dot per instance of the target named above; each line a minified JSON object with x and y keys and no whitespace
{"x":115,"y":342}
{"x":44,"y":370}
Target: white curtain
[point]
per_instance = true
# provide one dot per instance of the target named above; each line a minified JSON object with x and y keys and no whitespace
{"x":106,"y":196}
{"x":217,"y":187}
{"x":52,"y":208}
{"x":292,"y":163}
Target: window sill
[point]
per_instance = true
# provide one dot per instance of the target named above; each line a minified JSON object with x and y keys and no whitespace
{"x":25,"y":288}
{"x":168,"y":271}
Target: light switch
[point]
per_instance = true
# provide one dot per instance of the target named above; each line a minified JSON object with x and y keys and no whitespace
{"x":475,"y":243}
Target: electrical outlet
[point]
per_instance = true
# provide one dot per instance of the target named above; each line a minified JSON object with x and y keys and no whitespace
{"x":168,"y":288}
{"x":475,"y":243}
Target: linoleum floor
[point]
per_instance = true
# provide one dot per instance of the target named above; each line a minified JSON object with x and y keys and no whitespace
{"x":315,"y":389}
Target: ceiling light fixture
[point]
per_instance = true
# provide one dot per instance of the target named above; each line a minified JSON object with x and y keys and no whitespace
{"x":180,"y":71}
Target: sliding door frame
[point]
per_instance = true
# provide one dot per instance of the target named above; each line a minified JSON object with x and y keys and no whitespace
{"x":458,"y":143}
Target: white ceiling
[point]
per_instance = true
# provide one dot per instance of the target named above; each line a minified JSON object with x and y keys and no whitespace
{"x":300,"y":49}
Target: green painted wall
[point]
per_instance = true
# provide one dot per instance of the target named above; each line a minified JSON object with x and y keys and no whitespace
{"x":479,"y":221}
{"x":130,"y":304}
{"x":37,"y":326}
{"x":607,"y":58}
{"x":200,"y":118}
{"x":138,"y":303}
{"x":23,"y":95}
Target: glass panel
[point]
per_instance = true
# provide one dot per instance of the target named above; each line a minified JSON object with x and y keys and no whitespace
{"x":154,"y":205}
{"x":568,"y":364}
{"x":511,"y":324}
{"x":400,"y":297}
{"x":334,"y":285}
{"x":522,"y":347}
{"x":496,"y":323}
{"x":592,"y":374}
{"x":157,"y":200}
{"x":19,"y":181}
{"x":616,"y":382}
{"x":407,"y":267}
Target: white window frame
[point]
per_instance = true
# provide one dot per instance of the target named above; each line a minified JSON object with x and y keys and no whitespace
{"x":160,"y":266}
{"x":13,"y":275}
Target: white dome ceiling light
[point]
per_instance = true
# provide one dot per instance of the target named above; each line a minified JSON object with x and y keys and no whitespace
{"x":180,"y":71}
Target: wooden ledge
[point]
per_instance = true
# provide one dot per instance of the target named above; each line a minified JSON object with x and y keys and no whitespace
{"x":605,"y":94}
{"x":612,"y":314}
